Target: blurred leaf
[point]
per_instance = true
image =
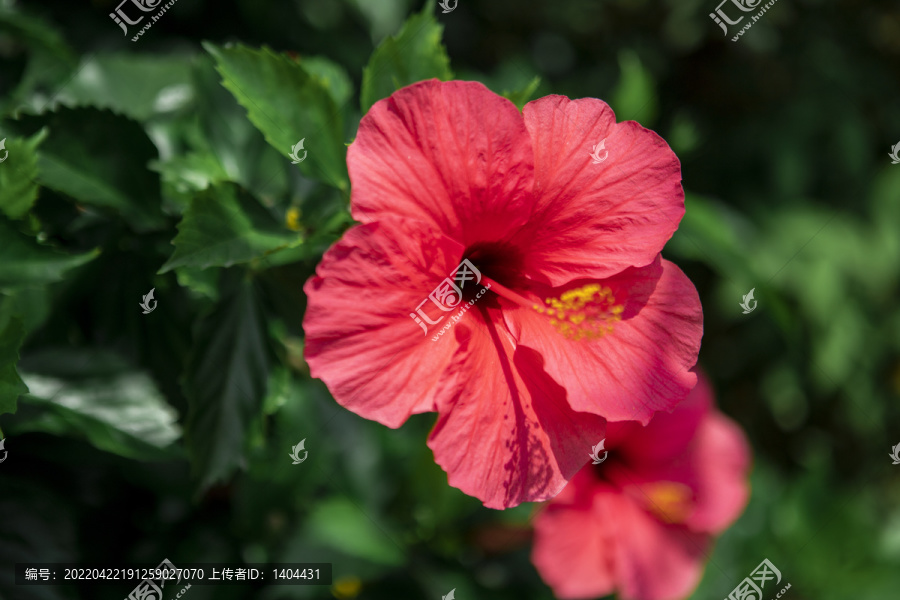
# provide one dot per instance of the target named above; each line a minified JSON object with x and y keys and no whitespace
{"x":224,"y":226}
{"x":18,"y":188}
{"x":50,"y":59}
{"x":412,"y":55}
{"x":11,"y":385}
{"x":634,"y":98}
{"x":124,"y":414}
{"x":333,"y":76}
{"x":714,"y":234}
{"x":226,"y":145}
{"x":31,"y":304}
{"x":191,"y":172}
{"x":225,"y":383}
{"x":341,"y":524}
{"x":24,"y":262}
{"x":521,"y":97}
{"x":36,"y":33}
{"x":287,"y":103}
{"x":100,"y":159}
{"x":135,"y":85}
{"x":201,"y":281}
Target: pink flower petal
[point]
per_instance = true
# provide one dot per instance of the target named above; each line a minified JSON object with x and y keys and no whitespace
{"x":721,"y":460}
{"x":505,"y":433}
{"x":655,"y":561}
{"x":592,"y":540}
{"x":695,"y":446}
{"x":594,"y":220}
{"x":451,"y":154}
{"x":574,"y":541}
{"x":360,"y":339}
{"x":644,"y":364}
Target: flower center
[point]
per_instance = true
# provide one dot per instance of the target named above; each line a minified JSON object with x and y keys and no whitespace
{"x":587,"y":312}
{"x":584,"y":313}
{"x":669,"y":501}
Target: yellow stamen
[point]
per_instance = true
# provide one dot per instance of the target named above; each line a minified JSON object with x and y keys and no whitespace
{"x":292,"y":219}
{"x":670,"y":501}
{"x":587,"y":312}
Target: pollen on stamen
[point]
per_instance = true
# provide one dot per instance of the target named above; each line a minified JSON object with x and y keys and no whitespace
{"x":670,"y":501}
{"x":588,"y":312}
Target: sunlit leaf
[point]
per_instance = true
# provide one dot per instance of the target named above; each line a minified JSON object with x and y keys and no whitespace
{"x":287,"y":104}
{"x":414,"y":54}
{"x":124,"y":414}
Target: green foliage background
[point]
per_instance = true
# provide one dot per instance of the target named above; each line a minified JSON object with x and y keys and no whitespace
{"x":164,"y":164}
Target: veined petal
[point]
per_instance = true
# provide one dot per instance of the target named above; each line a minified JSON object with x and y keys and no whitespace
{"x":594,"y":220}
{"x":452,"y":154}
{"x":643,"y":363}
{"x":505,"y":433}
{"x":360,"y":338}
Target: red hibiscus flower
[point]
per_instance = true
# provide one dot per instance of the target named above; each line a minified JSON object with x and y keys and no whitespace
{"x":582,"y":320}
{"x":641,"y":522}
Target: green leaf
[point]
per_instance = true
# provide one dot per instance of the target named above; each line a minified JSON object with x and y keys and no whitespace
{"x":634,"y":98}
{"x":26,"y":263}
{"x":715,"y":234}
{"x":287,"y":104}
{"x":51,"y":61}
{"x":18,"y":188}
{"x":138,"y":86}
{"x":224,"y":226}
{"x":225,"y":383}
{"x":100,"y":159}
{"x":522,"y":96}
{"x":226,"y":136}
{"x":412,"y":55}
{"x":341,"y":524}
{"x":191,"y":172}
{"x":200,"y":281}
{"x":31,"y":304}
{"x":11,"y":385}
{"x":124,"y":414}
{"x":38,"y":34}
{"x":332,"y":75}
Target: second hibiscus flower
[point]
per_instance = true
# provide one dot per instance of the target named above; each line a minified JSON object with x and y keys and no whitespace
{"x":583,"y":321}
